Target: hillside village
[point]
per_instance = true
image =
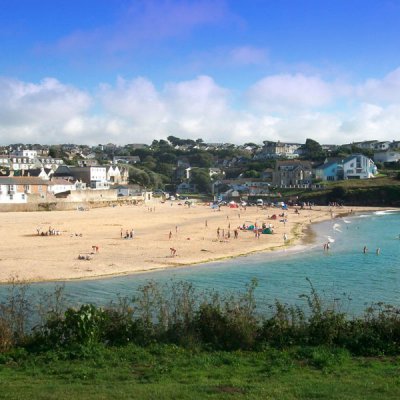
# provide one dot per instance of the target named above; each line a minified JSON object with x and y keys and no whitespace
{"x":80,"y":173}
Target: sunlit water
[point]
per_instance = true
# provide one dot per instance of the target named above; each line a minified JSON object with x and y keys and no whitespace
{"x":343,"y":272}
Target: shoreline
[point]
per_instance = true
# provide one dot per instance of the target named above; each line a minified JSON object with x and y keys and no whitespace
{"x":193,"y":248}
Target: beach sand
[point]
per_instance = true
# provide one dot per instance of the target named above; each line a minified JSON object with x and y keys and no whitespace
{"x":192,"y":232}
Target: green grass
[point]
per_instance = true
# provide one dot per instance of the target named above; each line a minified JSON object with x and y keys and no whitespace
{"x":382,"y":180}
{"x":171,"y":372}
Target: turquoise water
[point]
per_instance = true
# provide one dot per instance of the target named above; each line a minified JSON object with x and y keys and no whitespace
{"x":344,"y":272}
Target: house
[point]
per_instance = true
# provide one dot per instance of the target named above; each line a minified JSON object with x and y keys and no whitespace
{"x":355,"y":166}
{"x":25,"y":153}
{"x":17,"y":189}
{"x":126,"y":159}
{"x":395,"y":144}
{"x":185,"y":187}
{"x":135,"y":191}
{"x":387,"y":156}
{"x":366,"y":144}
{"x":65,"y":172}
{"x":182,"y":172}
{"x":330,"y":170}
{"x":267,"y":174}
{"x":127,"y":190}
{"x":382,"y":146}
{"x":292,"y":173}
{"x":117,"y":174}
{"x":94,"y":177}
{"x":215,"y":171}
{"x":43,"y":173}
{"x":59,"y":185}
{"x":87,"y":163}
{"x":4,"y":161}
{"x":278,"y":150}
{"x":358,"y":166}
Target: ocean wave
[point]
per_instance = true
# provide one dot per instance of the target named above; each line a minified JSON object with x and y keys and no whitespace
{"x":385,"y":212}
{"x":330,"y":239}
{"x":346,"y":221}
{"x":336,"y":227}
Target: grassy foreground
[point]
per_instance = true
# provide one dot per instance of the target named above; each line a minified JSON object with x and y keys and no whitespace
{"x":172,"y":372}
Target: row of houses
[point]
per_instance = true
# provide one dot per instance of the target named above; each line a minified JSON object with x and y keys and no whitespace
{"x":39,"y":182}
{"x":301,"y":174}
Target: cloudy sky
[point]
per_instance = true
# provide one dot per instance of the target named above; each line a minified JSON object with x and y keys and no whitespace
{"x":129,"y":71}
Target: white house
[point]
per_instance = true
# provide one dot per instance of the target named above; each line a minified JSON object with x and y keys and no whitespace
{"x":117,"y":174}
{"x":278,"y":150}
{"x":58,"y":185}
{"x":387,"y":156}
{"x":358,"y":166}
{"x":382,"y":146}
{"x":17,"y":189}
{"x":25,"y":153}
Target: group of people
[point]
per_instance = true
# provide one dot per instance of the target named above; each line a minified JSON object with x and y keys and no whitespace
{"x":87,"y":257}
{"x":50,"y":232}
{"x":129,"y":234}
{"x":377,"y":251}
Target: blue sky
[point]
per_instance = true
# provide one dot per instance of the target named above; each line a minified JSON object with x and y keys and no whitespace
{"x":126,"y":71}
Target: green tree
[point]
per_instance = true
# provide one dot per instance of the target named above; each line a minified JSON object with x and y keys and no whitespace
{"x":312,"y":150}
{"x":201,"y":178}
{"x":139,"y":176}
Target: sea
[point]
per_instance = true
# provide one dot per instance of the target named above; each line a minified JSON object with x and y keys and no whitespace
{"x":345,"y":275}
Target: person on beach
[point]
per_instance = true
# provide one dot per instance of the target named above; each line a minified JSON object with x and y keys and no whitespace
{"x":173,"y":251}
{"x":236,"y":233}
{"x":170,"y":235}
{"x":328,"y":246}
{"x":365,"y":249}
{"x":324,"y":246}
{"x":378,"y":251}
{"x":206,"y":224}
{"x":218,"y":232}
{"x":285,"y":238}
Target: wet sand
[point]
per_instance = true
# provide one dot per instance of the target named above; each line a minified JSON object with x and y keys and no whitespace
{"x":192,"y":232}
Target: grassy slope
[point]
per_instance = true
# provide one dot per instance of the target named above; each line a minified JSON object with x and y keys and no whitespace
{"x":169,"y":372}
{"x":379,"y":191}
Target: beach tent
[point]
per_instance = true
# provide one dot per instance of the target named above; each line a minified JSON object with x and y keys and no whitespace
{"x":232,"y":204}
{"x":267,"y":231}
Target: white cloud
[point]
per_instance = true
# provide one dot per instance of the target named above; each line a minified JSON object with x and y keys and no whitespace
{"x":36,"y":112}
{"x":284,"y":107}
{"x":381,"y":90}
{"x":286,"y":92}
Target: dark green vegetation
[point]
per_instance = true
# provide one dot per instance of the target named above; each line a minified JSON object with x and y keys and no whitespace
{"x":380,"y":191}
{"x":173,"y":342}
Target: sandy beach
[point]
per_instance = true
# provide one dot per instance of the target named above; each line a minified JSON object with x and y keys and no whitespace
{"x":89,"y":244}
